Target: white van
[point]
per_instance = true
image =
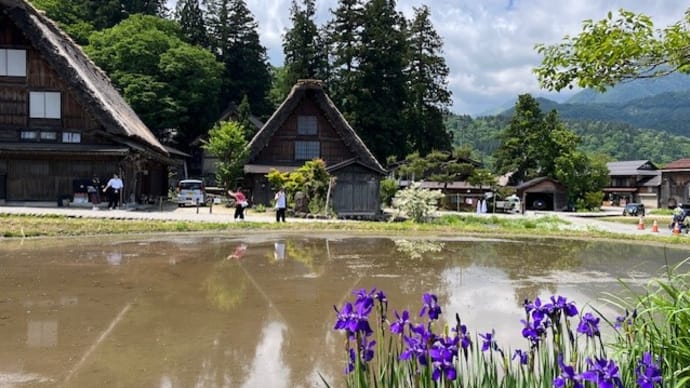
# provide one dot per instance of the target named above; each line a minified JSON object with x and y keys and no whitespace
{"x":191,"y":192}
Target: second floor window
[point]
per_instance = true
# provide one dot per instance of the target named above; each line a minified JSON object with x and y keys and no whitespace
{"x":71,"y":137}
{"x":44,"y":105}
{"x":306,"y":150}
{"x":306,"y":125}
{"x":12,"y":63}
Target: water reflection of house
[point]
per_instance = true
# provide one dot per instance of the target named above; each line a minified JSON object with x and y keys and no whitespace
{"x":61,"y":120}
{"x":306,"y":126}
{"x":633,"y":181}
{"x":675,"y":182}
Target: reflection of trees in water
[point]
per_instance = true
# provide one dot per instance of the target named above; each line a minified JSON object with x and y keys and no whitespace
{"x":418,"y":248}
{"x":225,"y":286}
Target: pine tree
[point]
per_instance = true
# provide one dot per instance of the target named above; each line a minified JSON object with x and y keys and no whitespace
{"x":191,"y":19}
{"x":515,"y":152}
{"x":235,"y":39}
{"x":429,"y":97}
{"x":302,"y":45}
{"x":381,"y":97}
{"x":344,"y":43}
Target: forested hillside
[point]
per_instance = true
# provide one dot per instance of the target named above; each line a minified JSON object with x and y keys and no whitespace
{"x":619,"y":141}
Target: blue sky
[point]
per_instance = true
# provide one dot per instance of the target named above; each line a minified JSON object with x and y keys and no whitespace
{"x":489,"y":44}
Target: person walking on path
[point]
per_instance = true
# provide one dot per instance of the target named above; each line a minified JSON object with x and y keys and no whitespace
{"x":240,"y":202}
{"x":281,"y":205}
{"x":115,"y":185}
{"x":94,"y":192}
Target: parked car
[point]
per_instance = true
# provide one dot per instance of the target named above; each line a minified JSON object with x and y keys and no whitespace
{"x":634,"y":209}
{"x":191,"y":192}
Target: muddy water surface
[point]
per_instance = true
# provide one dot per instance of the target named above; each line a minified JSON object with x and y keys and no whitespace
{"x":226,"y":311}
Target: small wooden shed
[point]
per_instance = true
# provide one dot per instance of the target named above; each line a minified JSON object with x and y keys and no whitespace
{"x":306,"y":126}
{"x":543,"y":193}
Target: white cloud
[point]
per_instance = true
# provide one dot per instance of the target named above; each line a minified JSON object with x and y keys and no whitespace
{"x":489,"y":44}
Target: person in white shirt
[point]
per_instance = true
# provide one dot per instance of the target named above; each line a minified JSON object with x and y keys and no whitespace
{"x":114,"y":186}
{"x":281,"y":205}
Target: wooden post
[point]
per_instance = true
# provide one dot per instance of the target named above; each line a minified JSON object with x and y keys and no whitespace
{"x":197,"y":206}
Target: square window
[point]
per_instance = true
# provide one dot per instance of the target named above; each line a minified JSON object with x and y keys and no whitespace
{"x":71,"y":137}
{"x":12,"y":63}
{"x":29,"y":135}
{"x":48,"y":136}
{"x":307,"y":150}
{"x":44,"y":105}
{"x":306,"y":125}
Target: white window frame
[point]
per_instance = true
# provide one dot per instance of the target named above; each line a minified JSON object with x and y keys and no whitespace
{"x":307,"y":150}
{"x":12,"y":63}
{"x":307,"y":125}
{"x":71,"y":137}
{"x":45,"y":105}
{"x":29,"y":135}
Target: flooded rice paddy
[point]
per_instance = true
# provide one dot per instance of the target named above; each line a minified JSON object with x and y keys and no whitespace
{"x":227,"y":311}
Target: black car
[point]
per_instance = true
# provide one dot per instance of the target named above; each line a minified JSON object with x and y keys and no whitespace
{"x":634,"y":209}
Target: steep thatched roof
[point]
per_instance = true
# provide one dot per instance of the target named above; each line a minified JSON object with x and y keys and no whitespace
{"x":313,"y":89}
{"x":86,"y":81}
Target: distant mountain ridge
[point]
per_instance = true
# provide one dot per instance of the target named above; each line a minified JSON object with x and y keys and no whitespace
{"x":668,"y":111}
{"x":633,"y":90}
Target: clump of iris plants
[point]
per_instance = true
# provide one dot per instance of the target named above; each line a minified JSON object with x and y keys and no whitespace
{"x":563,"y":348}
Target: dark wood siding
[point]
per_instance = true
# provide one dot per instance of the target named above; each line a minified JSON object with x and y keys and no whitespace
{"x":281,"y":146}
{"x":356,"y":191}
{"x":44,"y":179}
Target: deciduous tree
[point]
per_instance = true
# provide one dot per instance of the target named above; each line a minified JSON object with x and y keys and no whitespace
{"x":615,"y":49}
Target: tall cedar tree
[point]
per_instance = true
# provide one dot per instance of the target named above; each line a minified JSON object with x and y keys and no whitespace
{"x":429,"y":97}
{"x":107,"y":13}
{"x":516,"y":153}
{"x":381,"y":97}
{"x":235,"y":40}
{"x":344,"y":42}
{"x":191,"y":19}
{"x":304,"y":55}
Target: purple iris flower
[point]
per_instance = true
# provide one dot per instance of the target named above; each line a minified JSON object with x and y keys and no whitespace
{"x":560,"y":303}
{"x":648,"y":372}
{"x":534,"y":331}
{"x":522,"y":356}
{"x":353,"y":320}
{"x":465,"y":340}
{"x":489,"y":341}
{"x":589,"y":325}
{"x":603,"y":372}
{"x":535,"y":308}
{"x":430,"y":304}
{"x":364,"y":298}
{"x":366,"y":352}
{"x":398,"y":326}
{"x":415,"y":347}
{"x":443,"y":353}
{"x":626,"y":319}
{"x":567,"y":375}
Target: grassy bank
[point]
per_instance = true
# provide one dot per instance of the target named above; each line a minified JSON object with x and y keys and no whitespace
{"x":14,"y":226}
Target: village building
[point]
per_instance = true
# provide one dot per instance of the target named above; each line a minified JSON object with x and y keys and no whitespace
{"x":633,"y":181}
{"x":543,"y":193}
{"x":307,"y":126}
{"x":61,"y":120}
{"x":675,"y":183}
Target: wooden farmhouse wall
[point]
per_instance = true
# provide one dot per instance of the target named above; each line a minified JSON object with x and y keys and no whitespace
{"x":356,"y":191}
{"x":281,"y":147}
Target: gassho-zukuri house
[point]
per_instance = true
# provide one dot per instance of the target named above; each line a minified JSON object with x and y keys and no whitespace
{"x":306,"y":126}
{"x":61,"y":120}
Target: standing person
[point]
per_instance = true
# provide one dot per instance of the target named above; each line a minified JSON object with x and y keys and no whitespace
{"x":94,"y":192}
{"x":115,"y":185}
{"x":281,"y":205}
{"x":240,"y":202}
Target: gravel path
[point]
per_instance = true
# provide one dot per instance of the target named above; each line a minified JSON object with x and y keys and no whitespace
{"x":222,"y":214}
